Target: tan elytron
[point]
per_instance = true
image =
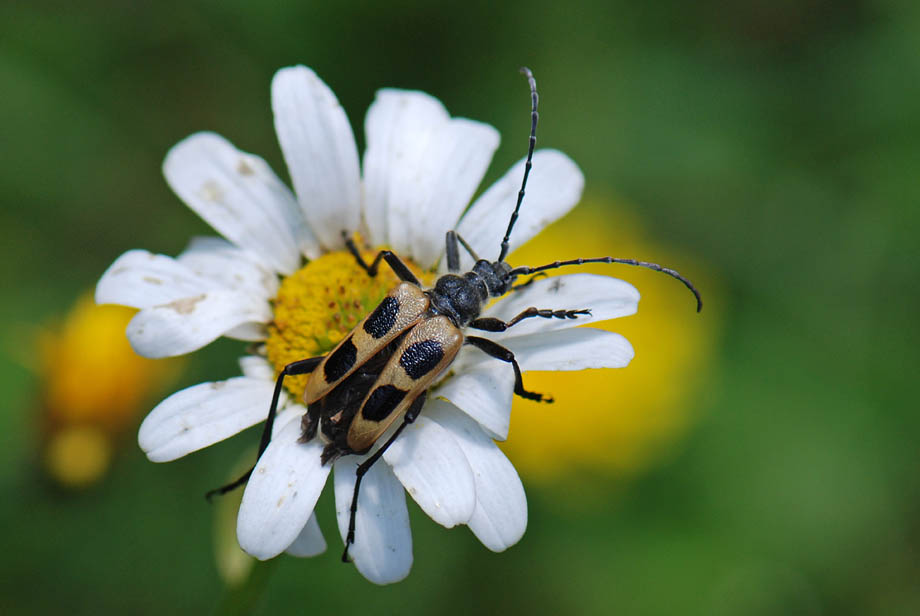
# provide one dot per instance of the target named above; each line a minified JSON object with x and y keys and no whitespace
{"x":440,"y":340}
{"x":410,"y":306}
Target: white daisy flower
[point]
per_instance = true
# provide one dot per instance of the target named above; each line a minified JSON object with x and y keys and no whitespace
{"x":281,"y":277}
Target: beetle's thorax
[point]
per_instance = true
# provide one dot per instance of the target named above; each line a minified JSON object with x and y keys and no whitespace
{"x":461,"y":298}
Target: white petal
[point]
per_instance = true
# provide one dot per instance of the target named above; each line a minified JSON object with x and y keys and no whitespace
{"x":432,"y":195}
{"x":554,"y":187}
{"x":500,"y":517}
{"x":250,"y":332}
{"x":573,"y":349}
{"x":483,"y":392}
{"x":398,"y":126}
{"x":141,"y":279}
{"x":287,"y":413}
{"x":281,"y":494}
{"x":188,"y":324}
{"x":382,"y":551}
{"x":433,"y":469}
{"x":239,"y":195}
{"x":257,"y":367}
{"x":230,"y":267}
{"x":309,"y":542}
{"x":202,"y":415}
{"x":428,"y":198}
{"x":320,"y":151}
{"x":606,"y":297}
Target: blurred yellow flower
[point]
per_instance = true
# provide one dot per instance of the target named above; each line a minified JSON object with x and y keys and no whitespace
{"x":617,"y":422}
{"x":78,"y":455}
{"x":93,"y":387}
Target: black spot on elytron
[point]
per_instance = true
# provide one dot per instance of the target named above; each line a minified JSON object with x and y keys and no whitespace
{"x":340,"y":361}
{"x":420,"y":358}
{"x":382,"y":402}
{"x":382,"y":319}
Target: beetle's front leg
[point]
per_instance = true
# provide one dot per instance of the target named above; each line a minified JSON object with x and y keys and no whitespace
{"x":530,"y":281}
{"x":453,"y":252}
{"x":395,"y":263}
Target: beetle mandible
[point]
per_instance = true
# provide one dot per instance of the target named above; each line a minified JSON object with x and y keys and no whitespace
{"x":381,"y":371}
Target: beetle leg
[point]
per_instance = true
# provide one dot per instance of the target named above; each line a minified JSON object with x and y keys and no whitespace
{"x":365,"y":466}
{"x":490,"y":324}
{"x":304,"y":366}
{"x":453,"y":252}
{"x":530,"y":281}
{"x":497,"y":351}
{"x":395,"y":263}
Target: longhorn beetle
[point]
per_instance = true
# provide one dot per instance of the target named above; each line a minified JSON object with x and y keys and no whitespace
{"x":382,"y":369}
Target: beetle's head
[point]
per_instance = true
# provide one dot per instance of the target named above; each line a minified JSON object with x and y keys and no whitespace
{"x":497,"y":276}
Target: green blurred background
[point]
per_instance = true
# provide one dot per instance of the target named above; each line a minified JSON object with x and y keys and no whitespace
{"x":777,"y":143}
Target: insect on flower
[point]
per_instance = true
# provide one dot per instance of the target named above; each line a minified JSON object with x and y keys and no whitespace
{"x":379,"y":373}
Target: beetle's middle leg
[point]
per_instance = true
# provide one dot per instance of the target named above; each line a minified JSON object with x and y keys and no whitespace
{"x":493,"y":349}
{"x":365,"y":466}
{"x":490,"y":324}
{"x":399,"y":268}
{"x":304,"y":366}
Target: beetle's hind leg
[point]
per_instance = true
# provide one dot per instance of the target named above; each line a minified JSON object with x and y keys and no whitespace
{"x":395,"y":263}
{"x":365,"y":466}
{"x":497,"y":351}
{"x":304,"y":366}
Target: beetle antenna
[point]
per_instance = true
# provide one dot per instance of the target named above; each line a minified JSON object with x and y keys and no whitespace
{"x":525,"y":270}
{"x":533,"y":140}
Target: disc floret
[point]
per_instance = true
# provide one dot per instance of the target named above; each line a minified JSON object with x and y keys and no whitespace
{"x":318,"y":305}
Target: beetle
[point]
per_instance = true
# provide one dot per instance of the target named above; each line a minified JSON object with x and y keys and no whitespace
{"x":382,"y":370}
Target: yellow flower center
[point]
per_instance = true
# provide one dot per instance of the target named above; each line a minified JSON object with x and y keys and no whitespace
{"x":319,"y":304}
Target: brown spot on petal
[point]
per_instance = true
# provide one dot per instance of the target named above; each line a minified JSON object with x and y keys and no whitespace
{"x":186,"y":305}
{"x":211,"y":191}
{"x":243,"y":168}
{"x":152,"y":280}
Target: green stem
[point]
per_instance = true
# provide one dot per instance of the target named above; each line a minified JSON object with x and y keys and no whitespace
{"x":243,"y":598}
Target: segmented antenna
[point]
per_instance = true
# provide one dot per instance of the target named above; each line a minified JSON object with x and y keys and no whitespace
{"x":533,"y":140}
{"x":525,"y":270}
